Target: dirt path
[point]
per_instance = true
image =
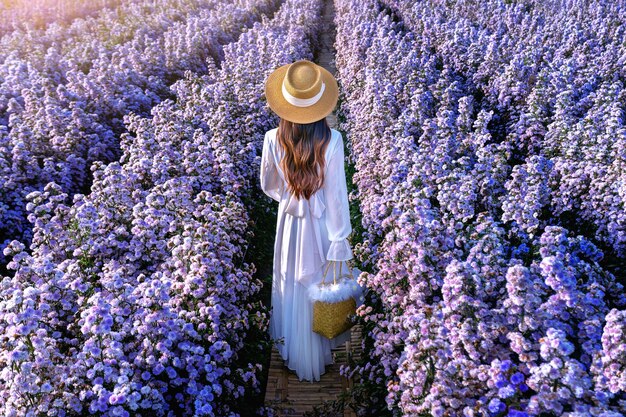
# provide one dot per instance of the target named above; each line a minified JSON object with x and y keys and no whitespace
{"x":326,"y":56}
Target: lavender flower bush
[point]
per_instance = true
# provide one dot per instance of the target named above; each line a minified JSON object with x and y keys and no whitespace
{"x":489,"y":157}
{"x":135,"y":299}
{"x":63,"y":97}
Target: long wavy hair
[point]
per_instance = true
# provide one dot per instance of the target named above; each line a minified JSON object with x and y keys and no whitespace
{"x":303,"y":161}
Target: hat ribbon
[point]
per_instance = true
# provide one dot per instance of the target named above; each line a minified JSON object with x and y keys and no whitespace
{"x":302,"y":102}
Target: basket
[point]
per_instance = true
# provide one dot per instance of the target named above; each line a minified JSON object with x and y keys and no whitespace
{"x":333,"y":303}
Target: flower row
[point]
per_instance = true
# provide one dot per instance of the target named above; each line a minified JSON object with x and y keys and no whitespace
{"x":487,"y":298}
{"x":63,"y":95}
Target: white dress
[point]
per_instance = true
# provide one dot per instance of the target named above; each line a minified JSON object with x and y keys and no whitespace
{"x":308,"y":233}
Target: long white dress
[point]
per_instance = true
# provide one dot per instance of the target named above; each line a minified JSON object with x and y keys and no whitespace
{"x":308,"y":234}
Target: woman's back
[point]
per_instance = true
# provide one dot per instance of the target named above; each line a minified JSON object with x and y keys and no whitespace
{"x":278,"y":151}
{"x":309,"y":233}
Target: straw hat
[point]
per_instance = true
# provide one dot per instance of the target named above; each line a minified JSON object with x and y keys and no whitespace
{"x":301,"y":92}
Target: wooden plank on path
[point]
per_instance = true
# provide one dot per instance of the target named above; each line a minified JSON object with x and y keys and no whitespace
{"x":292,"y":397}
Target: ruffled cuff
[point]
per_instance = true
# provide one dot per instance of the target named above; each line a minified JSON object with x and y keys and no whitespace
{"x":339,"y":251}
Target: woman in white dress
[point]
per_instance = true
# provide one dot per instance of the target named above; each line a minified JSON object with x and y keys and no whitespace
{"x":302,"y":168}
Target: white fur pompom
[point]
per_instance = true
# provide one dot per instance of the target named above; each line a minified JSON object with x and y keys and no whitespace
{"x":332,"y":293}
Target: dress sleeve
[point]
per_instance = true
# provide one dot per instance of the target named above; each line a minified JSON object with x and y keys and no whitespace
{"x":271,"y":181}
{"x":337,"y":208}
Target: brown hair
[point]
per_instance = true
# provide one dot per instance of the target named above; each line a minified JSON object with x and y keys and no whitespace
{"x":303,"y":160}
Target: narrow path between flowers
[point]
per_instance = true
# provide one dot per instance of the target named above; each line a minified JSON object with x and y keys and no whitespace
{"x":284,"y":391}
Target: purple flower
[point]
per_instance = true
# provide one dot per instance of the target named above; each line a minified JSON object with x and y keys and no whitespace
{"x":496,"y":406}
{"x":517,"y":378}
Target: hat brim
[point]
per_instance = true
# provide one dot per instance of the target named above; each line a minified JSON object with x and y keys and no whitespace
{"x":309,"y":114}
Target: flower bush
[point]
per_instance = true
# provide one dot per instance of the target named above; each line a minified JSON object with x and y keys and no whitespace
{"x":490,"y":177}
{"x":64,"y":91}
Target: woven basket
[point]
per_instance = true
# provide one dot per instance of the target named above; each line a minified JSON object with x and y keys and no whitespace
{"x":330,"y":319}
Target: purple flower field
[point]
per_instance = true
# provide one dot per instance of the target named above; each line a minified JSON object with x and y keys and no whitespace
{"x":63,"y":98}
{"x":487,"y":147}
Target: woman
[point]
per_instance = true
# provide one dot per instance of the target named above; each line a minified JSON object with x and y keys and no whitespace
{"x":302,"y":167}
